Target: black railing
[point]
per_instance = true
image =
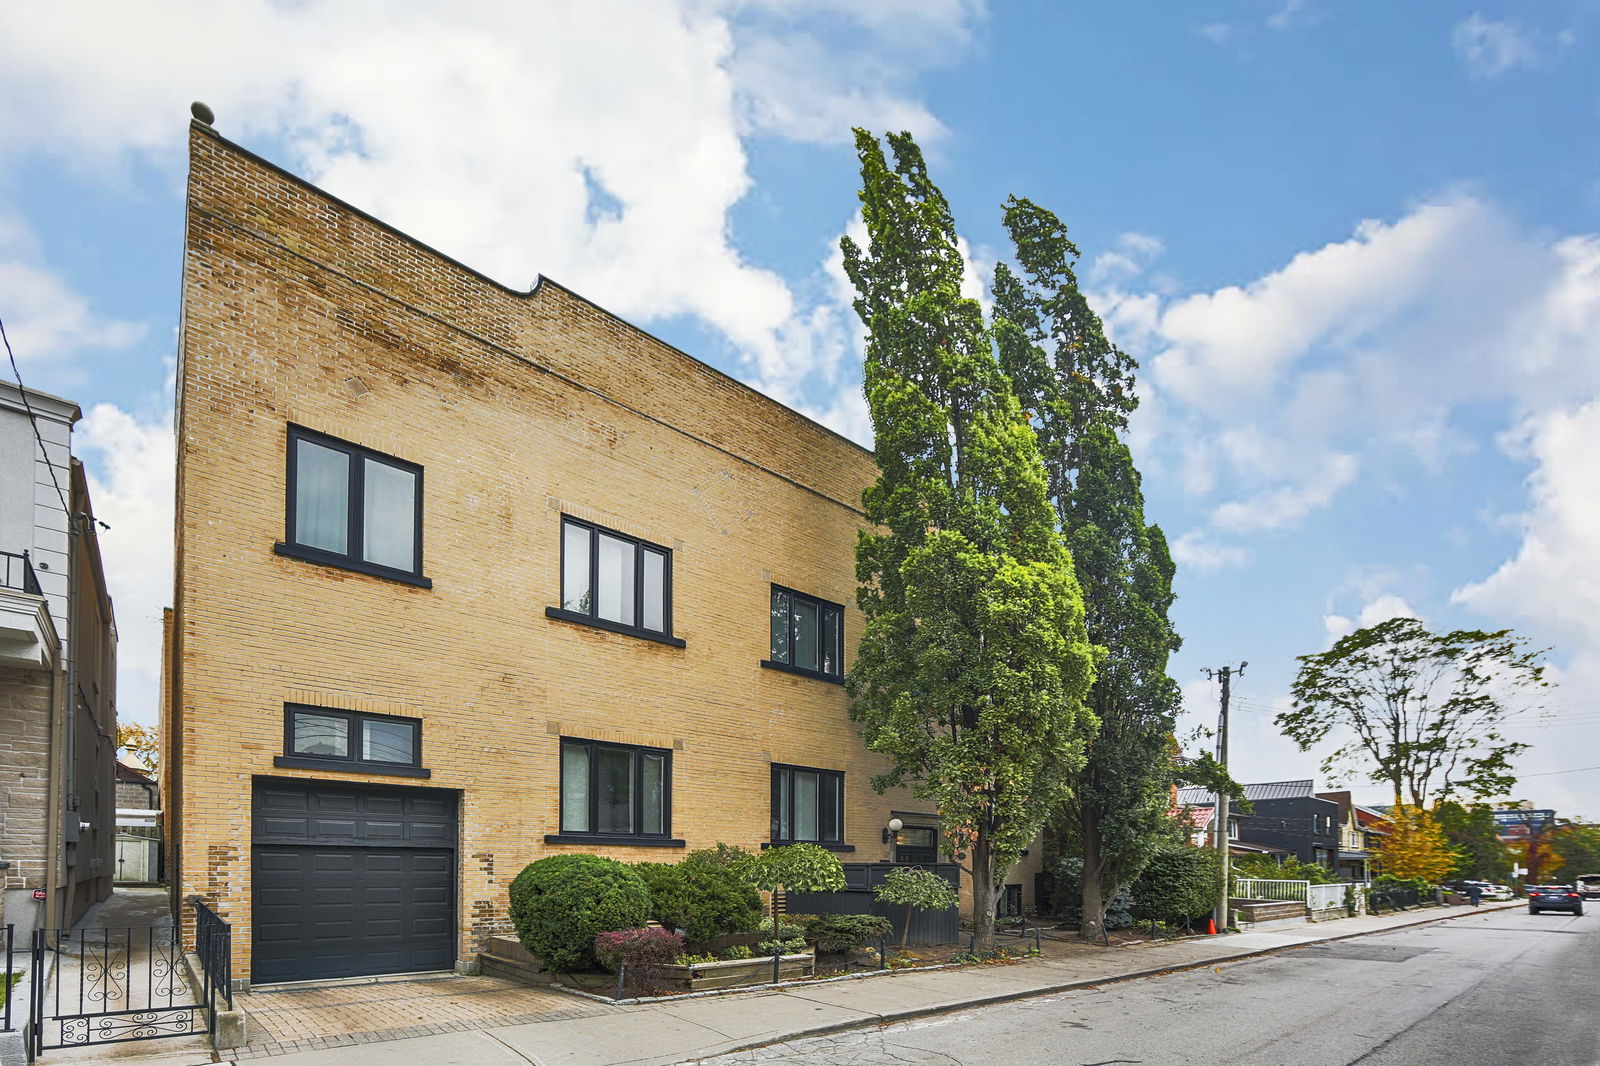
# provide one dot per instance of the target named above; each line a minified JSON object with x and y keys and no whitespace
{"x":1395,"y":899}
{"x":6,"y":978}
{"x":213,"y":939}
{"x":16,"y":572}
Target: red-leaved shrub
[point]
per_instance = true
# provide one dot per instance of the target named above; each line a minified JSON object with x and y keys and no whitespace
{"x":645,"y":952}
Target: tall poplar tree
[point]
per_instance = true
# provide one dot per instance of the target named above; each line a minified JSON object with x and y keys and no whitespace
{"x":1079,"y":388}
{"x":974,"y":662}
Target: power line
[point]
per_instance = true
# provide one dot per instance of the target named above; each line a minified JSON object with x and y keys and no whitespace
{"x":1552,"y":773}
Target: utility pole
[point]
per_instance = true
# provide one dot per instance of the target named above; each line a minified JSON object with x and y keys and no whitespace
{"x":1225,"y":675}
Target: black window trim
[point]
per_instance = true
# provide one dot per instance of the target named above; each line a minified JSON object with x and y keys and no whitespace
{"x":590,"y":837}
{"x":805,"y":671}
{"x":640,"y":546}
{"x":352,"y":762}
{"x":350,"y":560}
{"x":779,"y":841}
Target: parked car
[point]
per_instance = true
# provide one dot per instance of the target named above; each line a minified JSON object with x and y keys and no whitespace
{"x":1588,"y":886}
{"x":1499,"y":892}
{"x":1554,"y":898}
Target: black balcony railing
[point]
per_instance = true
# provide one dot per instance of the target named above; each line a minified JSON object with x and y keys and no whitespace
{"x":16,"y":572}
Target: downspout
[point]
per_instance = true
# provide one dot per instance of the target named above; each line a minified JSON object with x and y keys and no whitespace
{"x":72,"y":713}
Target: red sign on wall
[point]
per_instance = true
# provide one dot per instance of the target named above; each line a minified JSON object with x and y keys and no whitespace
{"x":38,"y":894}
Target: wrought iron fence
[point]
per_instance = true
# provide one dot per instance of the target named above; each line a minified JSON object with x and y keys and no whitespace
{"x":16,"y":572}
{"x":1394,"y":899}
{"x":214,"y":945}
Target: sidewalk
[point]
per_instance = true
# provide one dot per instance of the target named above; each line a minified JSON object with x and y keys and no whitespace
{"x":657,"y":1034}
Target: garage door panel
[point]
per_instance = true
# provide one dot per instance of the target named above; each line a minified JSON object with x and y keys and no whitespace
{"x":350,"y":905}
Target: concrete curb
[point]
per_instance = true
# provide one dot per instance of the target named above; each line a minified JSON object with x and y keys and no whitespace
{"x":912,"y":1014}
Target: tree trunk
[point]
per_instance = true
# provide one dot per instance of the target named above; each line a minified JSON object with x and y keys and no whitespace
{"x":984,"y":893}
{"x":1094,"y":900}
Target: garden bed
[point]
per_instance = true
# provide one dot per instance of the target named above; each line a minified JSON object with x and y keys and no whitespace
{"x":735,"y":973}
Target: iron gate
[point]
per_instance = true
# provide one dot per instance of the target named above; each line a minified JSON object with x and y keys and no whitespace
{"x":110,"y":986}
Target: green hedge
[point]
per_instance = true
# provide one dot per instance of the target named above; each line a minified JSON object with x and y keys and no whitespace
{"x":705,"y":900}
{"x":1178,"y":882}
{"x":559,"y":905}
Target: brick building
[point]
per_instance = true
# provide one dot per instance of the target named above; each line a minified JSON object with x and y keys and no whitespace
{"x":57,"y":636}
{"x":467,"y":576}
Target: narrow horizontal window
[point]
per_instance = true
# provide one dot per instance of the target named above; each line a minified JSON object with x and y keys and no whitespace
{"x":351,"y":740}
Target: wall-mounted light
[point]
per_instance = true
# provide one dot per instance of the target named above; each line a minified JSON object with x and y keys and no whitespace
{"x":892,"y":831}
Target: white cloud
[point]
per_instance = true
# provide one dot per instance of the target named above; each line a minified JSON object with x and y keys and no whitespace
{"x":50,"y":325}
{"x":1380,"y":609}
{"x":519,"y":138}
{"x":1491,"y":47}
{"x":129,"y":461}
{"x":1286,"y":505}
{"x":1199,"y":551}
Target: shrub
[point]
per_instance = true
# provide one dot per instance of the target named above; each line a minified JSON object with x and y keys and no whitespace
{"x":1290,"y":869}
{"x":1178,"y":882}
{"x":738,"y":951}
{"x":919,"y":888}
{"x":797,"y":868}
{"x":737,"y":861}
{"x":794,"y":946}
{"x":704,"y":900}
{"x":560,"y":904}
{"x":645,"y":952}
{"x":841,"y":932}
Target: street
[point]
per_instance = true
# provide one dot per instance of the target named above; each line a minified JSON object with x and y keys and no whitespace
{"x":1487,"y":990}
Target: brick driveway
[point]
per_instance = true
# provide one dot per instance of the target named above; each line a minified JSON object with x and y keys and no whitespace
{"x":301,"y":1019}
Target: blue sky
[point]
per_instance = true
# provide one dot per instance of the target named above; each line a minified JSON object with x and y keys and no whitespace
{"x":1356,"y":248}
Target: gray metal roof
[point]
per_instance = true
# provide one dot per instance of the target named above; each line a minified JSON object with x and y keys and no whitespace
{"x":1271,"y":790}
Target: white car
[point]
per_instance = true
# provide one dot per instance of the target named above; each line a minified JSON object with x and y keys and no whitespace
{"x":1588,"y":885}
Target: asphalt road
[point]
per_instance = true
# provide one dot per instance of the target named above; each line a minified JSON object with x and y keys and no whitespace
{"x":1503,"y":988}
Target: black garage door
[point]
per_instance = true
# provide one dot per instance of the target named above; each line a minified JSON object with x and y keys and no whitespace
{"x":351,"y":880}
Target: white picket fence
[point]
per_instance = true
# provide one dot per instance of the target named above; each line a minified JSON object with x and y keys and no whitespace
{"x":1315,"y":897}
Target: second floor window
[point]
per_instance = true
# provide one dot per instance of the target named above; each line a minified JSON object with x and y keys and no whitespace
{"x":614,"y":580}
{"x":353,"y":507}
{"x":807,"y":634}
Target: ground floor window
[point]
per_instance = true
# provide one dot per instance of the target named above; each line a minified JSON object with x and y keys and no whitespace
{"x":615,"y":789}
{"x":807,"y":805}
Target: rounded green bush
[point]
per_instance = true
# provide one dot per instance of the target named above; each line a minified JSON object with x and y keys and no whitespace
{"x":702,"y":899}
{"x":1178,"y":882}
{"x":559,"y":904}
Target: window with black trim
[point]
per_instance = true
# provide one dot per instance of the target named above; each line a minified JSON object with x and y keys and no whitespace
{"x":807,"y":635}
{"x":807,"y":805}
{"x":614,"y":581}
{"x":352,"y":507}
{"x":615,"y":791}
{"x":351,"y":740}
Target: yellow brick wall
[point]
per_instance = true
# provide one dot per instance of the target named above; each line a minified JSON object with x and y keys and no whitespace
{"x":519,"y":407}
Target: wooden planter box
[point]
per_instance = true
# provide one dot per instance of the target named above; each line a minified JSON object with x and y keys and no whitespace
{"x":737,"y":973}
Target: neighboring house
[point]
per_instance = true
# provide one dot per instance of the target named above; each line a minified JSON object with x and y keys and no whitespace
{"x":138,"y":826}
{"x":57,"y":672}
{"x":1202,"y":832}
{"x":1288,"y":819}
{"x":1355,"y":857}
{"x":468,"y":576}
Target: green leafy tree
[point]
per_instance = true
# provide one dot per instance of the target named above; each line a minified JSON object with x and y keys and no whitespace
{"x":795,"y":868}
{"x":1421,"y":712}
{"x":916,"y":888}
{"x":1177,"y":883}
{"x":1079,"y":388}
{"x":1576,"y":845}
{"x":973,"y":663}
{"x":1470,"y":832}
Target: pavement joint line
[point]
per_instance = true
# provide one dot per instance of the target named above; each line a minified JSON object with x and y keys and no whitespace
{"x":914,"y":1013}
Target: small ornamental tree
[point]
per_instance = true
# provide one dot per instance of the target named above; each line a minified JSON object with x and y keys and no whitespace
{"x":1416,"y":847}
{"x":561,"y":903}
{"x":796,"y":868}
{"x":916,"y":888}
